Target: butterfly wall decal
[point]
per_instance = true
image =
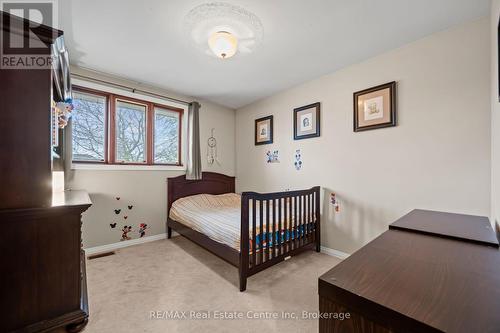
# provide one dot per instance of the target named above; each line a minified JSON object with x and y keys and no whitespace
{"x":117,"y":211}
{"x":112,"y":225}
{"x":117,"y":198}
{"x":130,"y":207}
{"x":125,"y":217}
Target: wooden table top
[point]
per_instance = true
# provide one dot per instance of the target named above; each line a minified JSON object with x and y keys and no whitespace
{"x":429,"y":284}
{"x":70,"y":198}
{"x":476,"y":229}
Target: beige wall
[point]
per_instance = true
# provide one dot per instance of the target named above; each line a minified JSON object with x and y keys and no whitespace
{"x":495,"y":116}
{"x":146,"y":190}
{"x":438,"y":157}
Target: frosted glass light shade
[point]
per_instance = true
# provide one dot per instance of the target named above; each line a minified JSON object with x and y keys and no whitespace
{"x":223,"y":44}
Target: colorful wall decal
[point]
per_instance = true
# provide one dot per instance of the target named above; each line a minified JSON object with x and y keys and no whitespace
{"x":125,"y":230}
{"x":127,"y":210}
{"x":142,"y":229}
{"x":298,"y":160}
{"x":335,"y":202}
{"x":272,"y":157}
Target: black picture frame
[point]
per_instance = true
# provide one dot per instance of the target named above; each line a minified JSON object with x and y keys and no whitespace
{"x":296,"y":135}
{"x":271,"y":130}
{"x":392,"y":94}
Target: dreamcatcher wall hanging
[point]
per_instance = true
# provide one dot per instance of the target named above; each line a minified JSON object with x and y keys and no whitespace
{"x":212,"y":149}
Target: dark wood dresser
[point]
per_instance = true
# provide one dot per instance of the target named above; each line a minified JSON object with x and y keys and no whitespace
{"x":42,"y":277}
{"x":42,"y":282}
{"x":430,"y":272}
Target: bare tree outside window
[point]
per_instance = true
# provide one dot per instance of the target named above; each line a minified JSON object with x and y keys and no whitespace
{"x":130,"y":132}
{"x":123,"y":134}
{"x":166,"y":136}
{"x":89,"y":118}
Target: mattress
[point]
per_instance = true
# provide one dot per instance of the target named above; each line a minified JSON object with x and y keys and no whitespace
{"x":219,"y":218}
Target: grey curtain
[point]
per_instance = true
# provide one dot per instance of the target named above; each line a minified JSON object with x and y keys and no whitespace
{"x":61,"y":76}
{"x":193,"y":140}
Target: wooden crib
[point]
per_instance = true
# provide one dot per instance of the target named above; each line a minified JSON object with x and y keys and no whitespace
{"x":274,"y":226}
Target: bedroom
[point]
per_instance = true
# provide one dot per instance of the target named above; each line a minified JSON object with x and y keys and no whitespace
{"x":319,"y":131}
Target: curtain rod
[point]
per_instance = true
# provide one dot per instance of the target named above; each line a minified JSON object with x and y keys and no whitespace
{"x":133,"y":90}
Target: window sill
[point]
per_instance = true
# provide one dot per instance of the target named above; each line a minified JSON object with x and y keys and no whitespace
{"x":125,"y":167}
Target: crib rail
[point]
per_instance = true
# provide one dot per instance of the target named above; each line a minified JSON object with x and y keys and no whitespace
{"x":275,"y":226}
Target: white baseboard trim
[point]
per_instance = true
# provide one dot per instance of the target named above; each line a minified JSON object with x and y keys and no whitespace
{"x":334,"y":253}
{"x":115,"y":246}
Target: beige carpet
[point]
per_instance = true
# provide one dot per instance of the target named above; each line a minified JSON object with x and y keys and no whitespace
{"x":177,"y":275}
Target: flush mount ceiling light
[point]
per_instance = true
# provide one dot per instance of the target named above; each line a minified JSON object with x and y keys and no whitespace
{"x":223,"y":44}
{"x":223,"y":30}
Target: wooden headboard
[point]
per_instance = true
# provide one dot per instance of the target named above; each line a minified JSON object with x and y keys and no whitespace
{"x":211,"y":183}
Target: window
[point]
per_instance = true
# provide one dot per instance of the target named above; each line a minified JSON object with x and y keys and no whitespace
{"x":89,"y":123}
{"x":130,"y":132}
{"x":166,"y":130}
{"x":112,"y":129}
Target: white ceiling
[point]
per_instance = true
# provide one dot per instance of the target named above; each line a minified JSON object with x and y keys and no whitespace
{"x":303,"y":39}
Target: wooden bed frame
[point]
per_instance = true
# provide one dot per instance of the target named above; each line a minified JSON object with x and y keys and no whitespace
{"x":300,"y":210}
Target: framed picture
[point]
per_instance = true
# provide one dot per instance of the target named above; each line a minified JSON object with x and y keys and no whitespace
{"x":264,"y":130}
{"x":306,"y":122}
{"x":375,"y":107}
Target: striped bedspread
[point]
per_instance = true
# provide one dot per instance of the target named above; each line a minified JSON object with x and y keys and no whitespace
{"x":218,"y":217}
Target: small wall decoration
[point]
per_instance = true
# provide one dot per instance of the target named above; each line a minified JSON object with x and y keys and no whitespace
{"x":264,"y":130}
{"x":63,"y":112}
{"x":375,"y":107}
{"x":298,"y":160}
{"x":335,"y":202}
{"x":272,"y":156}
{"x":306,"y":121}
{"x":212,"y":149}
{"x":142,"y":229}
{"x":125,"y":230}
{"x":121,"y":212}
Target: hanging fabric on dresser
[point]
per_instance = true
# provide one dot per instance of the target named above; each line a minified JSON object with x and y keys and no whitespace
{"x":61,"y":77}
{"x":194,"y":153}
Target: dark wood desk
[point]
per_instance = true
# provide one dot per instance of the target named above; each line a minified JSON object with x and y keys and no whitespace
{"x":406,"y":281}
{"x":476,"y":229}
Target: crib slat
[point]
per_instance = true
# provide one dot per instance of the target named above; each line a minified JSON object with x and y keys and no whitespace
{"x":254,"y":242}
{"x":261,"y":231}
{"x":309,"y":220}
{"x":301,"y":222}
{"x":290,"y":224}
{"x":267,"y":229}
{"x":279,"y":242}
{"x":273,"y":230}
{"x":296,"y":221}
{"x":302,"y":219}
{"x":306,"y":231}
